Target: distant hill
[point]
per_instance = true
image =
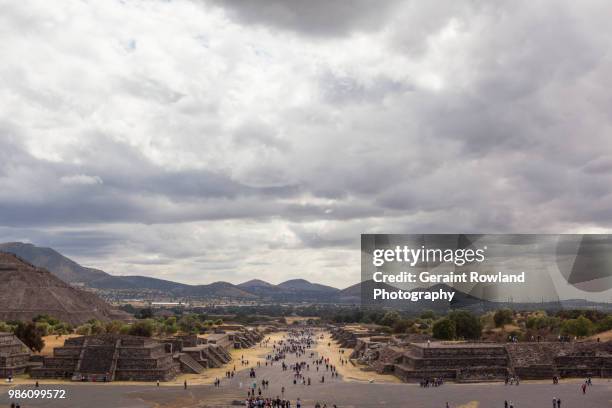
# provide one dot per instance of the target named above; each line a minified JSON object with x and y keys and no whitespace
{"x":220,"y":289}
{"x":304,"y":285}
{"x":27,"y":291}
{"x":255,"y":283}
{"x":137,"y":282}
{"x":261,"y":288}
{"x":62,"y":267}
{"x":71,"y":272}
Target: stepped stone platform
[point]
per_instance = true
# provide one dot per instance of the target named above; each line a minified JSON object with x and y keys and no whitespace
{"x":196,"y":353}
{"x":463,"y":362}
{"x":348,"y":336}
{"x":245,"y":338}
{"x":190,"y":349}
{"x":14,"y":355}
{"x":108,"y":358}
{"x":474,"y":361}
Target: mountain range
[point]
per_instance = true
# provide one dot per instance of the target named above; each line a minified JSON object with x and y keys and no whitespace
{"x":294,"y":290}
{"x":71,"y":272}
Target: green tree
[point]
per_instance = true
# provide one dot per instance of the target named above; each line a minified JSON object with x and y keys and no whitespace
{"x":145,"y":313}
{"x":428,"y":314}
{"x":502,"y":317}
{"x":45,"y":318}
{"x":43,"y":328}
{"x":390,"y":318}
{"x":84,"y":329}
{"x":467,"y":325}
{"x":444,"y":329}
{"x":97,"y":327}
{"x":144,"y":328}
{"x":580,"y":327}
{"x":114,"y":327}
{"x":6,"y":328}
{"x":170,"y":326}
{"x":604,"y":325}
{"x":401,"y":326}
{"x":189,"y":324}
{"x":30,"y":336}
{"x":62,"y":328}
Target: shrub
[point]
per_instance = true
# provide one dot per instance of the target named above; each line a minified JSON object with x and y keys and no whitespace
{"x":30,"y":335}
{"x":444,"y":329}
{"x":502,"y":317}
{"x":580,"y":327}
{"x":144,"y":328}
{"x":467,"y":325}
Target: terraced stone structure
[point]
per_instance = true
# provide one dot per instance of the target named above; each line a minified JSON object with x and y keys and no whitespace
{"x":347,"y":336}
{"x":245,"y":338}
{"x":545,"y":360}
{"x":108,"y":358}
{"x":195,"y":354}
{"x":473,"y":362}
{"x":464,"y":362}
{"x":14,"y":355}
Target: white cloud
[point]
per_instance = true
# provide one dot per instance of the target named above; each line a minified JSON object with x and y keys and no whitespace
{"x":284,"y":140}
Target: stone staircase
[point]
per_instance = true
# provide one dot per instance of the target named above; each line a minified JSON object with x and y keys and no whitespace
{"x":217,"y":355}
{"x":387,"y":357}
{"x":189,"y":364}
{"x":97,"y":361}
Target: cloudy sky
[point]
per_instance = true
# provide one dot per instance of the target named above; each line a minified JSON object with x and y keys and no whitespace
{"x":207,"y":140}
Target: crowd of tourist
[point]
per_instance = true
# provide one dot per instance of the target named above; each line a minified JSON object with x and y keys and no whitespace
{"x":306,"y":368}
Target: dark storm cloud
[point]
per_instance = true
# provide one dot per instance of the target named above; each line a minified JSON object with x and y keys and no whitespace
{"x":82,"y":242}
{"x":313,"y":17}
{"x":130,"y":189}
{"x":468,"y":116}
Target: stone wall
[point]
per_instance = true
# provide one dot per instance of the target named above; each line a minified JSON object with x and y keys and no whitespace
{"x":110,"y":357}
{"x":14,"y":356}
{"x":470,"y":362}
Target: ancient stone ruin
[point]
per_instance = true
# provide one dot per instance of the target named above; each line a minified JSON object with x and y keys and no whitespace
{"x":121,"y":357}
{"x":459,"y":362}
{"x":27,"y":291}
{"x":196,"y":354}
{"x":14,"y":356}
{"x":475,"y":361}
{"x":108,"y":358}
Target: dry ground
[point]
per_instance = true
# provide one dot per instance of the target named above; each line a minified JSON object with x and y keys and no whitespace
{"x":53,"y":341}
{"x":349,"y":371}
{"x":605,"y":336}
